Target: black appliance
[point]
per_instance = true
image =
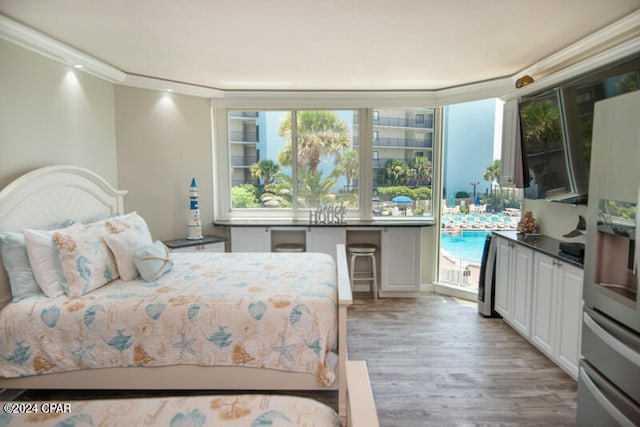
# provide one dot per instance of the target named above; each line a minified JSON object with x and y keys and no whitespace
{"x":486,"y":284}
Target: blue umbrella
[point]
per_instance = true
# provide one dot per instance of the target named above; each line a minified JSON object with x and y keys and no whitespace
{"x":402,"y":199}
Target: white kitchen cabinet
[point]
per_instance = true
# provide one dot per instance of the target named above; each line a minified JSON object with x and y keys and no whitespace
{"x":569,"y":317}
{"x":325,"y":239}
{"x":400,"y":255}
{"x":513,"y":284}
{"x":250,"y":239}
{"x":544,"y":303}
{"x":557,"y":311}
{"x":521,"y":286}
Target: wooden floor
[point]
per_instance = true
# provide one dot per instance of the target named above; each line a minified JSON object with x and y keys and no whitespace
{"x":433,"y":361}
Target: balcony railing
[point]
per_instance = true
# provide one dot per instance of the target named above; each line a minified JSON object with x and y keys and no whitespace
{"x":381,"y":161}
{"x":244,"y":114}
{"x":243,"y":161}
{"x":243,"y":136}
{"x":397,"y":143}
{"x":403,"y":122}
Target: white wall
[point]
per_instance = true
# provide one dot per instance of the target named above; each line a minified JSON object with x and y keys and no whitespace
{"x":51,"y":114}
{"x":164,"y":140}
{"x":556,"y":219}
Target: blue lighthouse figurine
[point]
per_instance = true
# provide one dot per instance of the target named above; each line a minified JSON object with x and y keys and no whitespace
{"x":195,"y":224}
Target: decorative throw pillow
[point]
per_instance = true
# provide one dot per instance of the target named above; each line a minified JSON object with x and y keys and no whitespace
{"x":16,"y":263}
{"x":87,"y":262}
{"x":124,"y":222}
{"x":153,"y":261}
{"x":124,"y":246}
{"x":44,"y":260}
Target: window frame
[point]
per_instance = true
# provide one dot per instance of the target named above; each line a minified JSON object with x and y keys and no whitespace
{"x":222,"y":170}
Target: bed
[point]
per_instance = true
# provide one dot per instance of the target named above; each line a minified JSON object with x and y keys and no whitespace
{"x":56,"y":194}
{"x":223,"y":410}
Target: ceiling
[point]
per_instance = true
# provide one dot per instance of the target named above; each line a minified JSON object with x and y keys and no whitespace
{"x":319,"y":45}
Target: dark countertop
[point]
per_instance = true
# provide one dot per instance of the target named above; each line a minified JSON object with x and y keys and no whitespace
{"x":182,"y":243}
{"x":306,"y":223}
{"x":545,"y":244}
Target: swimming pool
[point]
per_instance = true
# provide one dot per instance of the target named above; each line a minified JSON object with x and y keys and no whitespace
{"x":467,"y":244}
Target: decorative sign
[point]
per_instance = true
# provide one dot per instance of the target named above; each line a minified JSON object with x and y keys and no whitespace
{"x":325,"y":214}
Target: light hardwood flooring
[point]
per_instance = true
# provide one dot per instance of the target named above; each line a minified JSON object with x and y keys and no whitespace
{"x":433,"y":361}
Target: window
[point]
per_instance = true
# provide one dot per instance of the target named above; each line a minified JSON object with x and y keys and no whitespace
{"x":281,"y":163}
{"x":403,"y":170}
{"x":306,"y":158}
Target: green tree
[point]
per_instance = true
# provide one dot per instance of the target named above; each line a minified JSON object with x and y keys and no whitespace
{"x":492,"y":173}
{"x":278,"y":193}
{"x":265,"y":170}
{"x":244,"y":196}
{"x":348,"y":164}
{"x":395,"y":173}
{"x":319,"y":133}
{"x":312,"y":189}
{"x":421,"y":170}
{"x":543,"y":135}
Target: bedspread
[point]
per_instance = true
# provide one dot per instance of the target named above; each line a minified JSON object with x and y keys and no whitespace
{"x":197,"y":411}
{"x":264,"y":310}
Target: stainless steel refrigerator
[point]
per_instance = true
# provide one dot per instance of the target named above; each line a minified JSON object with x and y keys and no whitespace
{"x":609,"y":374}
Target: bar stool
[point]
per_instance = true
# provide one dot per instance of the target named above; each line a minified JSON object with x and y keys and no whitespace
{"x":289,"y":247}
{"x":368,"y":251}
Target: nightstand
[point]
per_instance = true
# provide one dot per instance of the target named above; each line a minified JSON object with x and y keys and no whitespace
{"x":208,"y":244}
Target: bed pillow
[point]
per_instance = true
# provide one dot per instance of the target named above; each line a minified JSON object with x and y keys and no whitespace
{"x":124,"y":246}
{"x":153,"y":261}
{"x":87,"y":263}
{"x":44,"y":260}
{"x":16,"y":263}
{"x":123,"y":222}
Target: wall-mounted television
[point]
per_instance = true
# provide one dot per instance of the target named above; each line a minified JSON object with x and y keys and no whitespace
{"x":556,"y":128}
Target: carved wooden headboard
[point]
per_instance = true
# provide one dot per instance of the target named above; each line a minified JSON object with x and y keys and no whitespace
{"x":52,"y":195}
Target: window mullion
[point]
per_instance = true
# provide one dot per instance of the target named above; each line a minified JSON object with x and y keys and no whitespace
{"x":294,"y":161}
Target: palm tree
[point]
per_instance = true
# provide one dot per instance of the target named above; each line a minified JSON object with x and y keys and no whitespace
{"x":313,"y":190}
{"x":422,"y":168}
{"x":492,"y":173}
{"x":320,"y":133}
{"x":265,"y":169}
{"x":543,"y":135}
{"x":395,"y":172}
{"x":348,"y":165}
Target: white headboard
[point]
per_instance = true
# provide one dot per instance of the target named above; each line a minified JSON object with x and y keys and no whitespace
{"x":50,"y":196}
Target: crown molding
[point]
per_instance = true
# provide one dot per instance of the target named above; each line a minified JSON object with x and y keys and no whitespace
{"x":615,"y":34}
{"x":48,"y":47}
{"x":625,"y":50}
{"x":144,"y":82}
{"x":620,"y":39}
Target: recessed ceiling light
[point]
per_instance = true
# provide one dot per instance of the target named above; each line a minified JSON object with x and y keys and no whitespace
{"x":78,"y":66}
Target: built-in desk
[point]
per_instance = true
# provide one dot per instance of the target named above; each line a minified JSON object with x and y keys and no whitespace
{"x":398,"y":242}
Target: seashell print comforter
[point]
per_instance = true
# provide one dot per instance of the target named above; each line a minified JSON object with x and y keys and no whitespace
{"x":265,"y":310}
